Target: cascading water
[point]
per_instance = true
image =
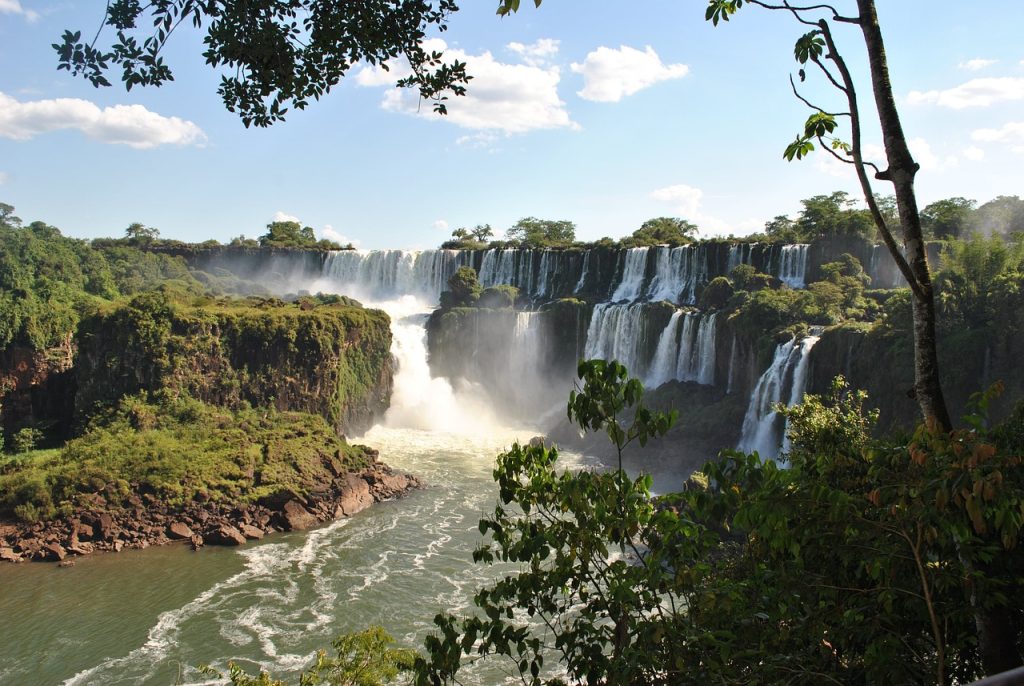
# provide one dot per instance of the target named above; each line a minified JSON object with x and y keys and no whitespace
{"x":383,"y":274}
{"x":786,"y":377}
{"x":633,"y":273}
{"x":663,"y":366}
{"x":793,"y":264}
{"x":615,"y":333}
{"x":678,"y":273}
{"x":686,"y":355}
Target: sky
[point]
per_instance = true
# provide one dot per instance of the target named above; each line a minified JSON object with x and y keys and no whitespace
{"x":605,"y":113}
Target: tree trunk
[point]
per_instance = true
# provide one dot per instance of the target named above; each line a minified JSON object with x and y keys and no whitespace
{"x":994,"y":626}
{"x":901,"y":172}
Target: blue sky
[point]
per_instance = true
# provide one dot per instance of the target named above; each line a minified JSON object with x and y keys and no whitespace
{"x":605,"y":113}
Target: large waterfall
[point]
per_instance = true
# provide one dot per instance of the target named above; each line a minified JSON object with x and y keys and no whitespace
{"x":785,"y":379}
{"x":384,"y":274}
{"x":793,"y":265}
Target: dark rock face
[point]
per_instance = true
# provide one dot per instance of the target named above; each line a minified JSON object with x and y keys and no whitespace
{"x":331,"y":360}
{"x":200,"y":523}
{"x":296,"y":518}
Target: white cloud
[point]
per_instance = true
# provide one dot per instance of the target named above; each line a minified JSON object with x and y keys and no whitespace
{"x":929,"y":159}
{"x":331,"y":234}
{"x":14,"y":7}
{"x":440,"y":225}
{"x":1012,"y":132}
{"x":483,"y":139}
{"x":974,"y":93}
{"x":976,"y":64}
{"x":506,"y":98}
{"x":131,"y":125}
{"x":536,"y":54}
{"x":974,"y":153}
{"x":684,"y":200}
{"x":280,"y":216}
{"x":610,"y":75}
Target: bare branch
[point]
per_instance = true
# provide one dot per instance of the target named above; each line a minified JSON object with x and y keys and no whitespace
{"x":809,"y":8}
{"x":869,"y":195}
{"x":827,"y":73}
{"x":812,"y":105}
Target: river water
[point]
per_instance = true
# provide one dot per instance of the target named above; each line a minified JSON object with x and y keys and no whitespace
{"x":153,"y":616}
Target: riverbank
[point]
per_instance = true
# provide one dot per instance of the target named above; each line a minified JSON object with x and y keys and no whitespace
{"x":145,"y":520}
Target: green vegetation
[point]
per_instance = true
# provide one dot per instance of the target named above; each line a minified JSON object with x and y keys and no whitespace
{"x":291,"y":234}
{"x":476,"y":238}
{"x":531,"y":232}
{"x":318,"y":356}
{"x":365,"y":658}
{"x":177,"y":449}
{"x":671,"y":231}
{"x":846,"y":567}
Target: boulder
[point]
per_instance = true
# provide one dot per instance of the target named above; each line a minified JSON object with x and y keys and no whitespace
{"x":355,"y":495}
{"x":296,"y":517}
{"x":224,"y":534}
{"x":197,"y":541}
{"x":251,"y":532}
{"x":8,"y":555}
{"x":106,"y":526}
{"x":84,"y":532}
{"x":179,"y":531}
{"x":54,"y":551}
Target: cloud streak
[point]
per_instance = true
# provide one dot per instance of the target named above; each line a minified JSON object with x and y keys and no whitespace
{"x":974,"y":93}
{"x":131,"y":125}
{"x":609,"y":75}
{"x":504,"y":98}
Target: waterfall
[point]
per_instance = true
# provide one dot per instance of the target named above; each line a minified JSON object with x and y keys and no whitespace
{"x":543,"y":288}
{"x":616,"y":333}
{"x":583,"y":272}
{"x":678,"y":273}
{"x":376,"y":274}
{"x":739,"y":253}
{"x":632,"y":275}
{"x":763,"y":430}
{"x":685,"y":367}
{"x":705,"y":353}
{"x":663,"y":366}
{"x":732,"y":366}
{"x":793,"y":265}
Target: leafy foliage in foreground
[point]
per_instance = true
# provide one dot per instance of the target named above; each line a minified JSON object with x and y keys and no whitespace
{"x":365,"y":658}
{"x":177,"y":449}
{"x":859,"y":564}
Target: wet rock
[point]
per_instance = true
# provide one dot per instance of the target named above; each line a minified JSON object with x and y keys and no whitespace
{"x":54,"y":551}
{"x":8,"y":555}
{"x":197,"y":541}
{"x":224,"y":534}
{"x":179,"y":531}
{"x":355,"y":495}
{"x":251,"y":532}
{"x":66,"y":563}
{"x":296,"y":517}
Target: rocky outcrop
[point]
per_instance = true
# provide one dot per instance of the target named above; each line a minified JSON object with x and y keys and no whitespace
{"x":37,"y":387}
{"x":147,"y":521}
{"x":328,"y":359}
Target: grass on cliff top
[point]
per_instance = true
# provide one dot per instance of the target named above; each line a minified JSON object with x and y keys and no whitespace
{"x":177,"y":449}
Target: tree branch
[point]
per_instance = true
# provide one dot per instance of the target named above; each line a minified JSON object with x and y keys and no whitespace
{"x":858,"y":158}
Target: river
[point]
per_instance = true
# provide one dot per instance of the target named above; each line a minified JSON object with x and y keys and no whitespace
{"x":153,"y":616}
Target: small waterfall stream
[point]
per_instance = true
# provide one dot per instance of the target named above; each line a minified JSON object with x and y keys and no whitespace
{"x":786,"y":377}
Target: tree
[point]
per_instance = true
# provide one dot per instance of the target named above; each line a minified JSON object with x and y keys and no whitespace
{"x":542,"y":233}
{"x":288,"y":234}
{"x":827,"y":216}
{"x":661,"y":231}
{"x":817,"y":49}
{"x":463,"y":288}
{"x":1003,"y":215}
{"x":7,"y":216}
{"x":482,"y":232}
{"x":949,"y":218}
{"x":139,"y":234}
{"x":273,"y":57}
